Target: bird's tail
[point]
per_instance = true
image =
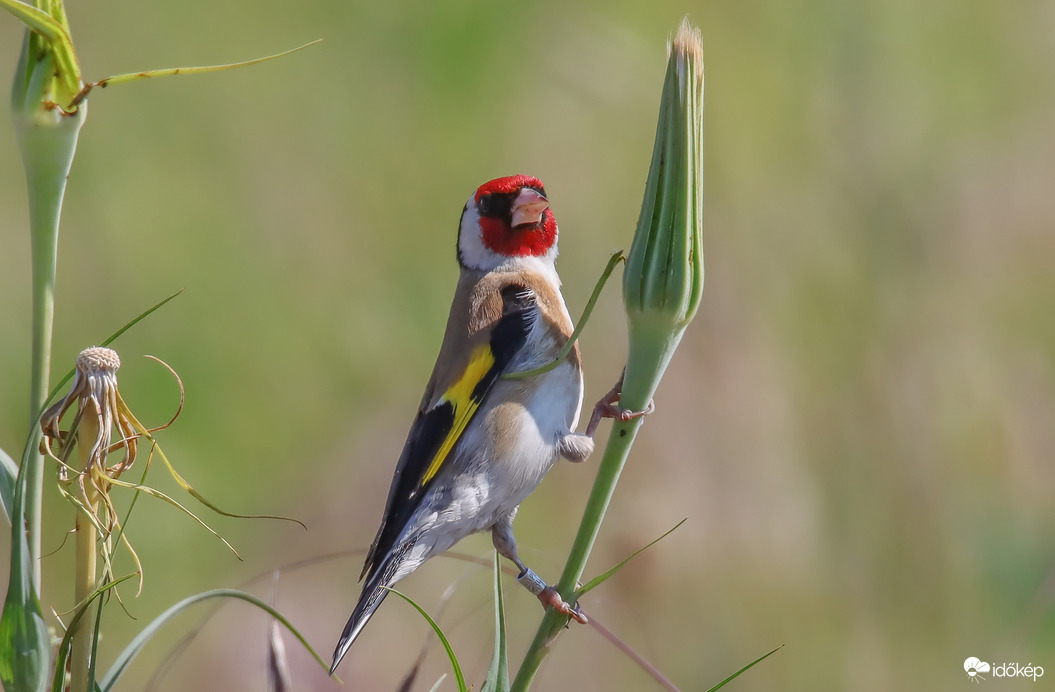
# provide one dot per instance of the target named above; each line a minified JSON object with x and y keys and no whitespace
{"x":374,"y":591}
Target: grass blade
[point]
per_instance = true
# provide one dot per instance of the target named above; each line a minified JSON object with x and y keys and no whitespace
{"x":8,"y":477}
{"x":600,"y":579}
{"x":749,"y":665}
{"x":141,"y":639}
{"x":443,"y":639}
{"x":26,"y":643}
{"x":498,"y":674}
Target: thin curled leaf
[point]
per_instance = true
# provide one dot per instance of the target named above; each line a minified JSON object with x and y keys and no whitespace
{"x":162,"y":496}
{"x":439,"y":633}
{"x":107,"y":555}
{"x":605,"y":576}
{"x":66,"y":645}
{"x":182,"y":393}
{"x":182,"y":482}
{"x":136,"y":645}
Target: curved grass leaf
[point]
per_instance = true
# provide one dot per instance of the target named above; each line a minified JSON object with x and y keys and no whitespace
{"x":279,"y":678}
{"x":600,"y":579}
{"x":439,"y":633}
{"x":749,"y":665}
{"x":23,"y":632}
{"x":8,"y":476}
{"x":141,"y":639}
{"x":498,"y":674}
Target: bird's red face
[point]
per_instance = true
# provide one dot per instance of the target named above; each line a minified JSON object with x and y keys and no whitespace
{"x":506,"y":217}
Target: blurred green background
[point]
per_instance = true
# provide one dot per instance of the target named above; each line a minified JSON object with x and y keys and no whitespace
{"x":859,"y":426}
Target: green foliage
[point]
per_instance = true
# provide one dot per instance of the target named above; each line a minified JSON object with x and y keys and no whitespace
{"x":875,"y":333}
{"x":48,"y":110}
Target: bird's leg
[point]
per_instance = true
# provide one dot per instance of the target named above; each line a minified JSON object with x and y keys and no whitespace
{"x":578,"y":447}
{"x":505,"y":543}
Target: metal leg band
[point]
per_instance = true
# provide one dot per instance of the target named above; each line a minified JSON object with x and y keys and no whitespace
{"x":531,"y":581}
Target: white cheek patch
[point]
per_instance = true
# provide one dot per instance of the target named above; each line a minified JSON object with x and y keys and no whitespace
{"x":471,"y":249}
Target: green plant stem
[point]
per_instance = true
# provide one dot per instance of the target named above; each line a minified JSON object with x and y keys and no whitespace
{"x":646,"y":362}
{"x":87,"y":552}
{"x":47,"y":144}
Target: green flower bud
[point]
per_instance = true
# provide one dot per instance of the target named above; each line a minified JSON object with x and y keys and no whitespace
{"x":663,"y":281}
{"x":48,"y":77}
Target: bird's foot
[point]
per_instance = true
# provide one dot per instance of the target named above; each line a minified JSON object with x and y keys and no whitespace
{"x":608,"y":407}
{"x":551,"y":599}
{"x":548,"y":596}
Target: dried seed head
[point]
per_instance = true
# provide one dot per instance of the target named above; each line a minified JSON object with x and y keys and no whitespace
{"x":96,"y":394}
{"x":98,"y":359}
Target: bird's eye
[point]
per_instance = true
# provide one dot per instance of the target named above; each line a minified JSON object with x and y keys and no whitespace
{"x":486,"y":205}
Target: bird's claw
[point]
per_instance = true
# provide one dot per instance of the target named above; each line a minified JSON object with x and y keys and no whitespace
{"x":608,"y":407}
{"x":613,"y":410}
{"x":551,"y":599}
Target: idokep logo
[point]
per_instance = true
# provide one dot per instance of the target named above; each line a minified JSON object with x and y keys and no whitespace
{"x":974,"y":668}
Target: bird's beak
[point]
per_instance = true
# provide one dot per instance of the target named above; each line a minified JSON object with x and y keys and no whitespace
{"x":528,"y":208}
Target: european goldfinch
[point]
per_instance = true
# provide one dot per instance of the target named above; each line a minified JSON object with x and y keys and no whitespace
{"x":480,"y":444}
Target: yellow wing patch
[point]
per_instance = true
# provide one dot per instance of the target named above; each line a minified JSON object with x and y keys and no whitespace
{"x":460,"y":396}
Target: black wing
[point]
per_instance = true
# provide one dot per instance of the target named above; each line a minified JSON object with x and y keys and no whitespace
{"x":435,"y":432}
